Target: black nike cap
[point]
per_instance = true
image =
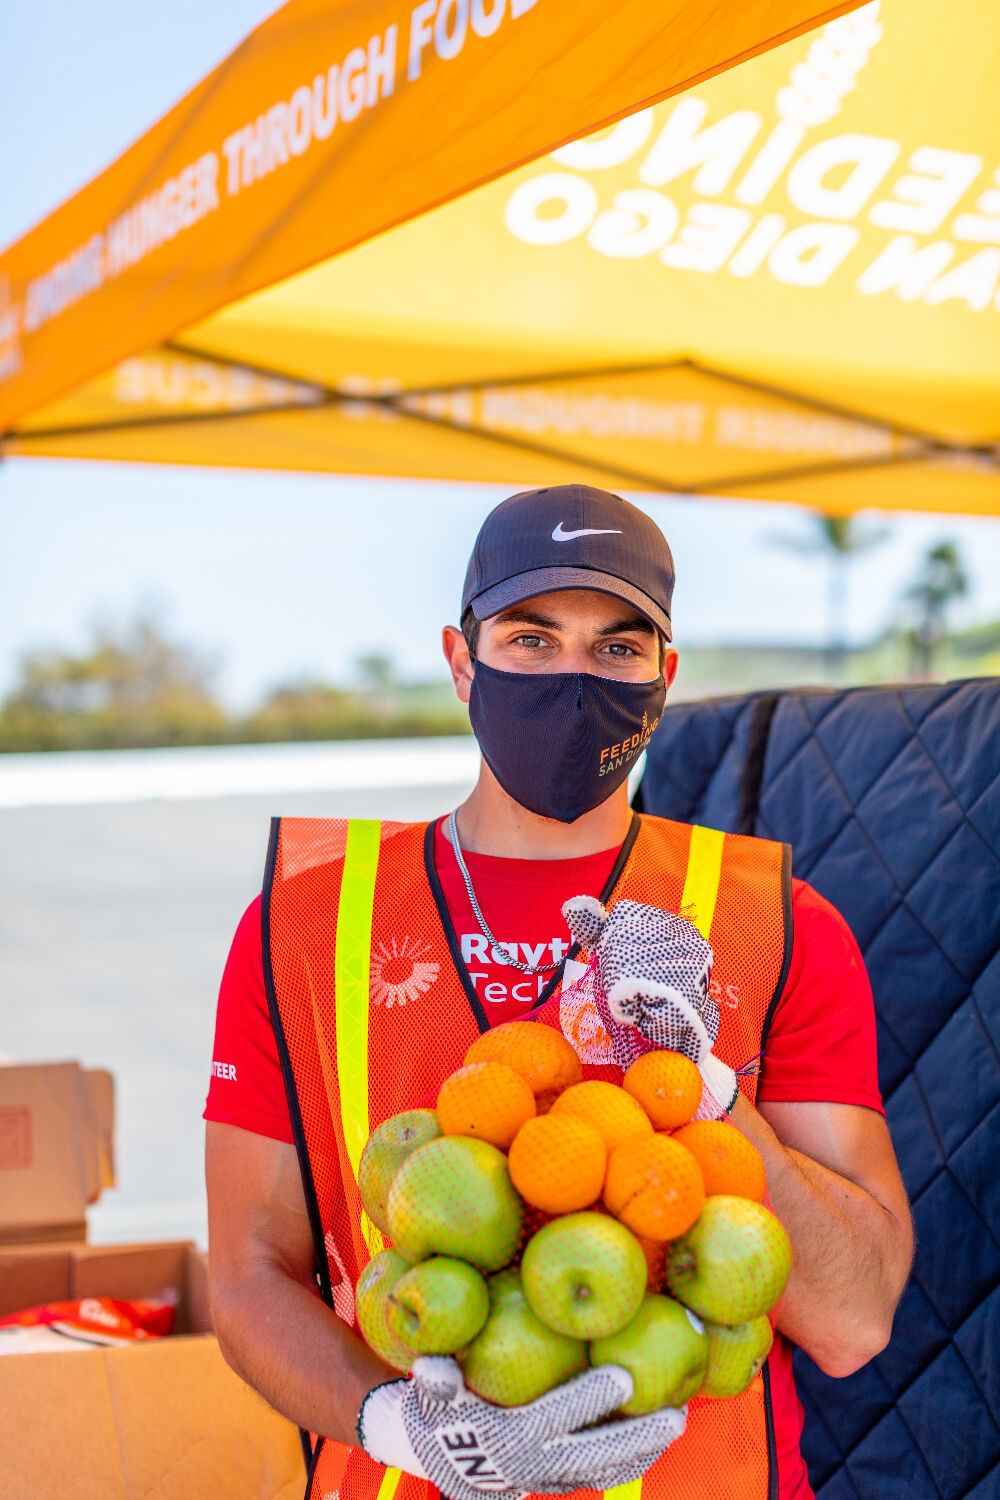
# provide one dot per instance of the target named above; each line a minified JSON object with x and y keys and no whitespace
{"x":570,"y":536}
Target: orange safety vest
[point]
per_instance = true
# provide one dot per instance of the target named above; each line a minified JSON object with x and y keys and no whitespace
{"x":372,"y":1008}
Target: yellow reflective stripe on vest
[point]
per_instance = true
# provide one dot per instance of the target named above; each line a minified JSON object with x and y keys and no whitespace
{"x":701,"y":890}
{"x":701,"y":883}
{"x":389,"y":1485}
{"x":352,"y":967}
{"x":630,"y":1491}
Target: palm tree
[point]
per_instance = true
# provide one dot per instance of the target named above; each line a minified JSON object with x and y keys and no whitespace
{"x":942,"y":578}
{"x":838,"y":539}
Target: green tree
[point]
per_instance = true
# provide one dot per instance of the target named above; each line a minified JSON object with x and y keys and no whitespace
{"x":131,"y":686}
{"x":306,"y":711}
{"x":376,"y":673}
{"x":316,"y":711}
{"x":838,"y":540}
{"x":941,"y":580}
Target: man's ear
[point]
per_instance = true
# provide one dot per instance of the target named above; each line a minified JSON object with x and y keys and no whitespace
{"x":670,"y":659}
{"x":456,"y":651}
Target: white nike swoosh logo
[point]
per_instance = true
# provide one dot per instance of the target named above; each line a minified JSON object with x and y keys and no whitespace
{"x":559,"y":535}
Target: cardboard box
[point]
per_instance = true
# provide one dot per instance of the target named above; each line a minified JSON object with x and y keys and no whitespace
{"x":162,"y":1420}
{"x":165,"y":1418}
{"x":56,"y":1149}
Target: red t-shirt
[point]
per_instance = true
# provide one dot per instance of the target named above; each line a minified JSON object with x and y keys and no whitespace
{"x":821,"y":1045}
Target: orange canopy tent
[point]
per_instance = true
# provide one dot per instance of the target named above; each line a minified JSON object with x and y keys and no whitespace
{"x":343,"y":252}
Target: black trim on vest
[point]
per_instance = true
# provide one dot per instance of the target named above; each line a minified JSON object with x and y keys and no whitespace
{"x":288,"y":1075}
{"x":772,"y":1443}
{"x":606,"y":894}
{"x":313,"y":1460}
{"x":451,"y":936}
{"x":786,"y":957}
{"x":307,"y":1448}
{"x":752,"y":775}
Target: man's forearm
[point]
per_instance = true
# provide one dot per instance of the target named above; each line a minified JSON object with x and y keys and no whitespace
{"x":285,"y":1342}
{"x":851,"y":1254}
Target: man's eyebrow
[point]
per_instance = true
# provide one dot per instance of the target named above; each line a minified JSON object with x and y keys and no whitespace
{"x":633,"y":623}
{"x":517,"y":616}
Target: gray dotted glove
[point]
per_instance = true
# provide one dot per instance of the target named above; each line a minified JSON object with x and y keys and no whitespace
{"x":436,"y":1428}
{"x":654,"y":969}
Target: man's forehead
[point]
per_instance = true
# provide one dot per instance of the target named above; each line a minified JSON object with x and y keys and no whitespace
{"x":570,"y":606}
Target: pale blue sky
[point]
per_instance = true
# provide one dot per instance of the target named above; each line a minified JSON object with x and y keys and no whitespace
{"x":287,"y":575}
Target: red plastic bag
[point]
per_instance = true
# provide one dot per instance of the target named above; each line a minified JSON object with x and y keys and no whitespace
{"x":86,"y":1321}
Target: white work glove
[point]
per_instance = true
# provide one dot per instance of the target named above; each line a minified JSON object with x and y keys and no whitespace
{"x":654,"y":969}
{"x":434,"y":1427}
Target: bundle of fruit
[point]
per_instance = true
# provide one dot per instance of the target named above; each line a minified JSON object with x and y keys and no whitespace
{"x":540,"y":1223}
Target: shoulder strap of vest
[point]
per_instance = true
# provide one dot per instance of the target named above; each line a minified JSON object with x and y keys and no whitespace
{"x":706,"y":851}
{"x":288,"y":1073}
{"x":352,"y":960}
{"x":789,"y":922}
{"x":701,"y":879}
{"x":701,"y":889}
{"x":352,"y":966}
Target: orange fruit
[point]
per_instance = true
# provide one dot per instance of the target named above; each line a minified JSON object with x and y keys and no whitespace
{"x":538,"y":1052}
{"x":557,"y":1163}
{"x":486,"y":1100}
{"x":614,"y":1114}
{"x":729,"y":1162}
{"x":667,"y":1085}
{"x":654,"y":1186}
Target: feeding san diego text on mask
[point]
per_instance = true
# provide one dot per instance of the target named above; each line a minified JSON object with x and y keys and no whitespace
{"x":559,"y":743}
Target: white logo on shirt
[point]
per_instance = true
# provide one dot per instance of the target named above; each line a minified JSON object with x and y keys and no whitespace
{"x":224,"y":1070}
{"x":400,"y":971}
{"x":479,"y":958}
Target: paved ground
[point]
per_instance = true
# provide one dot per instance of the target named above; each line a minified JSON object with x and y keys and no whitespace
{"x":115,"y":921}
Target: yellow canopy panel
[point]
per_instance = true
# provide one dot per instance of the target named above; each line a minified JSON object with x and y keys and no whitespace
{"x":782,"y":284}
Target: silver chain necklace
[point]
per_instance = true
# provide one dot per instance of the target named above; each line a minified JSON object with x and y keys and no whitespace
{"x":487,"y":934}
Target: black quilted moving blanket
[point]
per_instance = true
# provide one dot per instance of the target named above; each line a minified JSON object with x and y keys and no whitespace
{"x":890,"y":798}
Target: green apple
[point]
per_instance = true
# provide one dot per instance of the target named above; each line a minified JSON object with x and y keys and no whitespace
{"x":517,"y":1358}
{"x":438,"y":1305}
{"x":584,"y":1275}
{"x":665,"y":1351}
{"x":453,"y":1196}
{"x":387,"y":1149}
{"x":506,"y":1290}
{"x":733,"y":1263}
{"x":735,"y":1355}
{"x":371,"y":1301}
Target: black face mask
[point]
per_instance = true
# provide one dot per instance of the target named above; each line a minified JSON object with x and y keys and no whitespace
{"x":560,"y":743}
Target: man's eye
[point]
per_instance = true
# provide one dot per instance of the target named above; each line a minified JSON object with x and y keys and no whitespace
{"x":619,"y":648}
{"x":529,"y":640}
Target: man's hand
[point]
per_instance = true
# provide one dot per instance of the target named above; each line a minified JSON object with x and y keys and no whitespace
{"x":436,"y":1428}
{"x":654,"y":969}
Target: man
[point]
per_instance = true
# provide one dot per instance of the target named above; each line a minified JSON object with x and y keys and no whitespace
{"x":385,"y":952}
